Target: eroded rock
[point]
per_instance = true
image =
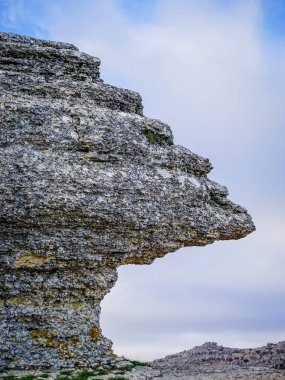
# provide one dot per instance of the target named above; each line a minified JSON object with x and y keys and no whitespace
{"x":87,"y":184}
{"x":212,"y":361}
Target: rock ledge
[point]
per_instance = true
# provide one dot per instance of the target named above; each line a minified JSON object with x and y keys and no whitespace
{"x":87,"y":184}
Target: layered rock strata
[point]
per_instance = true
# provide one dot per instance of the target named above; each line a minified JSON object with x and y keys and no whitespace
{"x":87,"y":184}
{"x":211,"y":361}
{"x":212,"y":356}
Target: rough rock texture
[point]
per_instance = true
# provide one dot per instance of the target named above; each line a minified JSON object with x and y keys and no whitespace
{"x":211,"y":354}
{"x":211,"y":361}
{"x":87,"y":184}
{"x":206,"y":362}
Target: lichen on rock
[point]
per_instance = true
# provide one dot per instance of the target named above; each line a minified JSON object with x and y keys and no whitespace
{"x":87,"y":184}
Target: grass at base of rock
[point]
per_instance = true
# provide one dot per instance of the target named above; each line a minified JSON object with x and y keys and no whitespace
{"x":66,"y":372}
{"x":26,"y":377}
{"x":84,"y":375}
{"x":137,"y":363}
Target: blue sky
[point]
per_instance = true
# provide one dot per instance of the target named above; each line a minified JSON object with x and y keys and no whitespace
{"x":214,"y":71}
{"x":272,"y":20}
{"x":274,"y":17}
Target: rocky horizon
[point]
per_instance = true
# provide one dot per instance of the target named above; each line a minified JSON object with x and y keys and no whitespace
{"x":211,"y":358}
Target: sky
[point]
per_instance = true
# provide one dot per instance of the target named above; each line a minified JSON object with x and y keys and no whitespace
{"x":214,"y":71}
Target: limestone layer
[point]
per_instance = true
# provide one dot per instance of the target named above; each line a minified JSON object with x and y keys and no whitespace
{"x":210,"y":357}
{"x":87,"y":184}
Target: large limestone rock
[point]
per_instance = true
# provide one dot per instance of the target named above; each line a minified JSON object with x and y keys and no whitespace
{"x":87,"y":184}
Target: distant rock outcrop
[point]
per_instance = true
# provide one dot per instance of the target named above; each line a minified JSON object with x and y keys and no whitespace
{"x":225,"y":363}
{"x":211,"y":354}
{"x":87,"y":184}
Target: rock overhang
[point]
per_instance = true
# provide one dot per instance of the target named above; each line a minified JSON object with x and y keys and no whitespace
{"x":88,"y":184}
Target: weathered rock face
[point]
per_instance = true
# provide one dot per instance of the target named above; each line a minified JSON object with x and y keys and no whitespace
{"x":212,"y":358}
{"x":87,"y":184}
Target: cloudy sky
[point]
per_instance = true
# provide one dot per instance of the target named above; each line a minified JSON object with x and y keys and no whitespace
{"x":214,"y":71}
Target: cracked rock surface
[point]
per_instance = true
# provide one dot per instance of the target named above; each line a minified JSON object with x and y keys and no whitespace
{"x":207,"y":362}
{"x":87,"y":184}
{"x":211,"y":361}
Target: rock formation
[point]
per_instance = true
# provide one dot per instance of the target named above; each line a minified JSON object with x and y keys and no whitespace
{"x":87,"y":184}
{"x":211,"y":354}
{"x":230,"y":363}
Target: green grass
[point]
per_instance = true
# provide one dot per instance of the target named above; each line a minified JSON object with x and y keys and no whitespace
{"x":66,"y":372}
{"x":63,"y":377}
{"x":83,"y":375}
{"x":67,"y":375}
{"x":154,"y":138}
{"x":137,"y":363}
{"x":151,"y":137}
{"x":11,"y":377}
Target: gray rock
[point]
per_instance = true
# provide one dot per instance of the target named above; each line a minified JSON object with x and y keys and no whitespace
{"x":210,"y":357}
{"x":207,"y":362}
{"x":87,"y":184}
